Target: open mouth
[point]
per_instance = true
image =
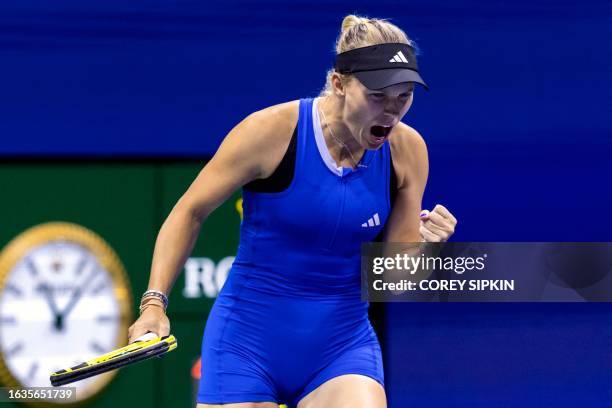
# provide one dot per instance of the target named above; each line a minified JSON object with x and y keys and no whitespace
{"x":380,"y":131}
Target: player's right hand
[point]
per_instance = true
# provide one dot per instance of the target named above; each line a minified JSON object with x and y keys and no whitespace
{"x":153,"y":319}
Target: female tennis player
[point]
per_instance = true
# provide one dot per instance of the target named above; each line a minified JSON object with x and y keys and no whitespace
{"x":319,"y":177}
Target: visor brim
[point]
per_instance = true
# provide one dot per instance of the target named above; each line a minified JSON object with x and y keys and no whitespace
{"x":383,"y":78}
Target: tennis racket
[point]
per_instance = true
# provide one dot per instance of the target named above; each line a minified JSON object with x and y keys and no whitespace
{"x":143,"y":348}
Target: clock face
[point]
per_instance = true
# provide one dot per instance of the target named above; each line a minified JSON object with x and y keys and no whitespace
{"x":60,"y":305}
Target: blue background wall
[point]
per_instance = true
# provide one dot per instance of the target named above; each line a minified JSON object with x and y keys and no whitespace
{"x":517,"y":122}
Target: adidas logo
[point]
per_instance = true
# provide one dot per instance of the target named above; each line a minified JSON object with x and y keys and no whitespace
{"x":372,"y":222}
{"x":399,"y":57}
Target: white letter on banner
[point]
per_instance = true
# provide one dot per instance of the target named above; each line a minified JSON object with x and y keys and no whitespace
{"x":201,"y":274}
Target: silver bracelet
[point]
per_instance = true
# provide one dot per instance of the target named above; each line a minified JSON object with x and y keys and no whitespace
{"x":156,"y":294}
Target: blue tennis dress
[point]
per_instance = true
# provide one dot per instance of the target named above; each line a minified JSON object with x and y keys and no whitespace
{"x":290,"y":315}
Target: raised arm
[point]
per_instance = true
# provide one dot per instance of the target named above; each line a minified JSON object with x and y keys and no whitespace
{"x":411,"y":164}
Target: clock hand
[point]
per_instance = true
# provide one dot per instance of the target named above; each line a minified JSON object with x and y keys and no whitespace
{"x":44,"y":288}
{"x":78,"y":292}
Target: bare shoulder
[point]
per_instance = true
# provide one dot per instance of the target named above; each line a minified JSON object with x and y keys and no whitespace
{"x":272,"y":128}
{"x":275,"y":123}
{"x":409,"y":153}
{"x":248,"y":151}
{"x":405,"y":141}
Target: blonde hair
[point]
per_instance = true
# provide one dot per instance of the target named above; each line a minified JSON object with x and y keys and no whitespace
{"x":360,"y":32}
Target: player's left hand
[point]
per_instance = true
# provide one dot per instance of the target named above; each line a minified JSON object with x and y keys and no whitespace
{"x":437,"y":225}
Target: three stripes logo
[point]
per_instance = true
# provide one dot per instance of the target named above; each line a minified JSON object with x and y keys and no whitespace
{"x":372,"y":222}
{"x":399,"y":57}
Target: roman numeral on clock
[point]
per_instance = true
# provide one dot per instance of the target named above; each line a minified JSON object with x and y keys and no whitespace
{"x":31,"y":266}
{"x":7,"y":320}
{"x":11,"y":288}
{"x":14,"y":350}
{"x":106,"y":319}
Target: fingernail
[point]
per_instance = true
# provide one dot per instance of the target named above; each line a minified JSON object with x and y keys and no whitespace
{"x":423,"y":213}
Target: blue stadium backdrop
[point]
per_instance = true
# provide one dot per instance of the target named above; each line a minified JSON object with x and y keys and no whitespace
{"x":518,"y":125}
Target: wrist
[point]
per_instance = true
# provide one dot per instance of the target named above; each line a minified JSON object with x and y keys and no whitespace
{"x":153,"y":297}
{"x":151,"y":302}
{"x":155,"y":294}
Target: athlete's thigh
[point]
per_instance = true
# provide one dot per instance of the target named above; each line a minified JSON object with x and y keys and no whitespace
{"x":347,"y":391}
{"x":241,"y":405}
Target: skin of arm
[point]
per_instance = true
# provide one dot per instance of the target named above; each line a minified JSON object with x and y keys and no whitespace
{"x":411,"y":164}
{"x":252,"y":150}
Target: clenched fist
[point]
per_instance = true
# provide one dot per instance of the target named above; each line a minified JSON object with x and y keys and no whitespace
{"x":437,"y":225}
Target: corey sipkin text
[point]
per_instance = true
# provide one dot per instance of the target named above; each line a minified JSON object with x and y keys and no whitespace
{"x":450,"y":285}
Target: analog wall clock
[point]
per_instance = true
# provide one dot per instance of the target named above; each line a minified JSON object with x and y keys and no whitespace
{"x":64,"y":298}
